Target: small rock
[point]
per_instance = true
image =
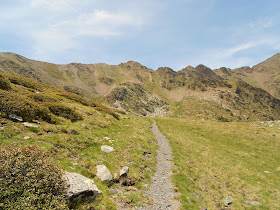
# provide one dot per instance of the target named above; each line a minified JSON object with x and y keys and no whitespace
{"x":103,"y":173}
{"x":255,"y":203}
{"x":266,"y":172}
{"x":30,"y":125}
{"x":79,"y":185}
{"x":37,"y":92}
{"x":106,"y":138}
{"x":107,"y":149}
{"x":15,"y":118}
{"x":124,"y":171}
{"x":197,"y":196}
{"x":37,"y":121}
{"x":26,"y":137}
{"x":227,"y":202}
{"x":246,"y":205}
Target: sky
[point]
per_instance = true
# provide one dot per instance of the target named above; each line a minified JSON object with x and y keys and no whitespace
{"x":155,"y":33}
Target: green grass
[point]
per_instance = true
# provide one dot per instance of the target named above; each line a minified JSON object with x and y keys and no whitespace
{"x":224,"y":161}
{"x":76,"y":146}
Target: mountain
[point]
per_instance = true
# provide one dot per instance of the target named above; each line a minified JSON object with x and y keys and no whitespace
{"x":265,"y":75}
{"x":193,"y":92}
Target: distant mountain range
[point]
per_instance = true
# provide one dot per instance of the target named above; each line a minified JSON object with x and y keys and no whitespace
{"x":194,"y":92}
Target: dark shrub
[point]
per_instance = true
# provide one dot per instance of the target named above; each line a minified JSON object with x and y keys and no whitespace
{"x":4,"y":83}
{"x":29,"y":180}
{"x":64,"y":111}
{"x":13,"y":103}
{"x":41,"y":97}
{"x":24,"y":81}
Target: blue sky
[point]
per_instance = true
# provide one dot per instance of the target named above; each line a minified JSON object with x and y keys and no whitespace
{"x":173,"y":33}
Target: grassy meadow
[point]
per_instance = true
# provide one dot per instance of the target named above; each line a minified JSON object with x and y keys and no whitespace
{"x":216,"y":161}
{"x":73,"y":129}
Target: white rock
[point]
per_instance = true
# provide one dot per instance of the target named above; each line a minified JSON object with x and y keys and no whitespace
{"x":30,"y":125}
{"x":80,"y":185}
{"x":26,"y":137}
{"x":103,"y":173}
{"x":15,"y":117}
{"x":124,"y":171}
{"x":106,"y":148}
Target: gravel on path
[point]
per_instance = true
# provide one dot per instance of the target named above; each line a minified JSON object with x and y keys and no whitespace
{"x":161,"y":190}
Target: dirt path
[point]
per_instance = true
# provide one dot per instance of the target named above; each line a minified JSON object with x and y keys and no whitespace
{"x":161,"y":190}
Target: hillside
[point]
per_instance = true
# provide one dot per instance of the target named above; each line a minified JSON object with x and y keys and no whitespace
{"x":265,"y":75}
{"x":73,"y":130}
{"x":139,"y":90}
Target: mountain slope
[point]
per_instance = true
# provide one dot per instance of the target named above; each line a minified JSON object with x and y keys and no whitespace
{"x":142,"y":91}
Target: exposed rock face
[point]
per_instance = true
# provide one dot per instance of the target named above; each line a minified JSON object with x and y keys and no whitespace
{"x":107,"y":149}
{"x":103,"y":173}
{"x":80,"y":185}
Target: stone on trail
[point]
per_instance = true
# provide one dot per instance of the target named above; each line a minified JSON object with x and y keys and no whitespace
{"x":107,"y":149}
{"x":103,"y":173}
{"x":124,"y":171}
{"x":80,"y":185}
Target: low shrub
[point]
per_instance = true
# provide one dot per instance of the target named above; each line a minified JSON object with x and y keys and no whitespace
{"x":78,"y":98}
{"x":41,"y":97}
{"x":108,"y":111}
{"x":29,"y":180}
{"x":4,"y":83}
{"x":24,"y":81}
{"x":13,"y":103}
{"x":64,"y":111}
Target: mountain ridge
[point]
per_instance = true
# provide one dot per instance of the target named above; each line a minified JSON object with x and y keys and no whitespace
{"x":143,"y":91}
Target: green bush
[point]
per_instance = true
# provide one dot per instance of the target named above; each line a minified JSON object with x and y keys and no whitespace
{"x":29,"y":180}
{"x":107,"y":111}
{"x":64,"y":111}
{"x":77,"y":98}
{"x":41,"y":97}
{"x":4,"y":83}
{"x":13,"y":103}
{"x":24,"y":81}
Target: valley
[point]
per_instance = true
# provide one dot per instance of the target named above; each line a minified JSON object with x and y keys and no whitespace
{"x":222,"y":125}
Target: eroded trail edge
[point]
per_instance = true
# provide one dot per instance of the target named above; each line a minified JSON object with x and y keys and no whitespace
{"x":161,"y":190}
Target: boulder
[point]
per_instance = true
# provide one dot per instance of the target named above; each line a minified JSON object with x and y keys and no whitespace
{"x":30,"y":125}
{"x":107,"y":149}
{"x":124,"y":171}
{"x":103,"y":173}
{"x":16,"y":118}
{"x":78,"y":185}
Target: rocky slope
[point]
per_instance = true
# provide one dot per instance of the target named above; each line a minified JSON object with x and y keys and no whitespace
{"x":193,"y":92}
